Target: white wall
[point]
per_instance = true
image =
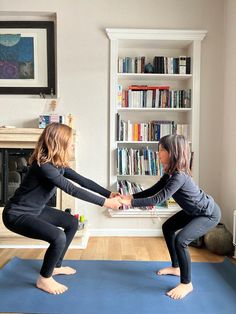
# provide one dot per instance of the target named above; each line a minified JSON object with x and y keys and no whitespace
{"x":83,"y":69}
{"x":228,"y":147}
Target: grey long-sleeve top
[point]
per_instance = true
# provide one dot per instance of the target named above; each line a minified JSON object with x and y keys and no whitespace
{"x":40,"y":184}
{"x":184,"y":191}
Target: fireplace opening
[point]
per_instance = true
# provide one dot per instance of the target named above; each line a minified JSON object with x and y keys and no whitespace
{"x":14,"y":165}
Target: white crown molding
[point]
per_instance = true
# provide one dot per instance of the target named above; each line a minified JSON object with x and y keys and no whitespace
{"x":157,"y":34}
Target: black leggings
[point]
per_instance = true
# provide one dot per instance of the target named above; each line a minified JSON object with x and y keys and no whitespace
{"x":192,"y":227}
{"x":45,"y":227}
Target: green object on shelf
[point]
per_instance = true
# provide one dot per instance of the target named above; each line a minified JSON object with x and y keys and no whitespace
{"x":81,"y":218}
{"x":149,"y":68}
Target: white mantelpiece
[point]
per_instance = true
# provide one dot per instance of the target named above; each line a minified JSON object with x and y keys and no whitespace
{"x":19,"y":137}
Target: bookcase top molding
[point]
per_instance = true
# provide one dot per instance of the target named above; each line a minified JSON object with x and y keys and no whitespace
{"x":155,"y":34}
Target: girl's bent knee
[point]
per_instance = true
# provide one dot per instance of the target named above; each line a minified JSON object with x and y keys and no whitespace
{"x":180,"y":242}
{"x":165,"y":228}
{"x":60,"y":239}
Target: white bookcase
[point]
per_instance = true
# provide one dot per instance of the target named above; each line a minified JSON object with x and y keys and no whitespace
{"x":150,"y":43}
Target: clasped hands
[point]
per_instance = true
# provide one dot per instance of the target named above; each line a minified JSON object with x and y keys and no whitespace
{"x":116,"y":200}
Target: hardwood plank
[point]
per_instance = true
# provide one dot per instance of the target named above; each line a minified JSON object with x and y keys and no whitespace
{"x":115,"y":248}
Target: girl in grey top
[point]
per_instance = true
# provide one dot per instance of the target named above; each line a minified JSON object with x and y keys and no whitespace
{"x":199,"y":211}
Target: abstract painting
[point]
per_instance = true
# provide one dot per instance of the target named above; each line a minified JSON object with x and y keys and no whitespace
{"x":16,"y":57}
{"x":27,"y":57}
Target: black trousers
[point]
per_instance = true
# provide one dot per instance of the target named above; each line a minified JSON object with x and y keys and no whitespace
{"x":45,"y":227}
{"x":191,"y":228}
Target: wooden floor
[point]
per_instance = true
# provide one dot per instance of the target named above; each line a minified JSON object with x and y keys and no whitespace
{"x":115,"y":248}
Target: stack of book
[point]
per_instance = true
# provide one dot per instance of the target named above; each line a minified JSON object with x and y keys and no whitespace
{"x":172,"y":65}
{"x":142,"y":161}
{"x":146,"y":131}
{"x":131,"y":65}
{"x":161,"y":65}
{"x":144,"y":96}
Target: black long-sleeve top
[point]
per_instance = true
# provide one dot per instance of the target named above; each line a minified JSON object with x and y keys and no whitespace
{"x":184,"y":191}
{"x":40,"y":184}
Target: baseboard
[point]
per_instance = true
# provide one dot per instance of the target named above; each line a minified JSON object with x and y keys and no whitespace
{"x":125,"y":233}
{"x":27,"y":243}
{"x":81,"y":243}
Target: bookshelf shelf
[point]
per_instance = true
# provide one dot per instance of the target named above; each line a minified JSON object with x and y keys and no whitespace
{"x":143,"y":213}
{"x":140,"y":142}
{"x":153,"y":76}
{"x":137,"y":175}
{"x":128,"y":47}
{"x":137,"y":142}
{"x":155,"y":109}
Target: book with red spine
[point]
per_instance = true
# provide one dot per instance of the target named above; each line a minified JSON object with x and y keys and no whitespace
{"x":146,"y":87}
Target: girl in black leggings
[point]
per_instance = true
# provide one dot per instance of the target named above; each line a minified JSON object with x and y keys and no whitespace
{"x":26,"y":212}
{"x":199,"y":211}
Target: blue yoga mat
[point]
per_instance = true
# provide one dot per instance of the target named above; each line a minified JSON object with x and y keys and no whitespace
{"x":118,"y":287}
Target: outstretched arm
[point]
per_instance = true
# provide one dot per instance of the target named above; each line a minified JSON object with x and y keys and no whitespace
{"x":153,"y":189}
{"x":85,"y":182}
{"x":52,"y":174}
{"x":172,"y":185}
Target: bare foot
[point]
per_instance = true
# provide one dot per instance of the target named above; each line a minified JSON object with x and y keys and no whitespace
{"x":63,"y":271}
{"x":180,"y":291}
{"x":50,"y":285}
{"x":175,"y":271}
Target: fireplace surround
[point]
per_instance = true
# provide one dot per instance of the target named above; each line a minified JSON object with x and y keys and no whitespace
{"x":14,"y":164}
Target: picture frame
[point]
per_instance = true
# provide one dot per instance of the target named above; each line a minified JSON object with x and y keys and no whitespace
{"x":27,"y":58}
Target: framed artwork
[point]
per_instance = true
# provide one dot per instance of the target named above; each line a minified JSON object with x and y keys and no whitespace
{"x":27,"y":57}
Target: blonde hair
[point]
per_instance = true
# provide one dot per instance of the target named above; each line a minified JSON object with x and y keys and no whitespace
{"x":52,"y":145}
{"x":179,"y":153}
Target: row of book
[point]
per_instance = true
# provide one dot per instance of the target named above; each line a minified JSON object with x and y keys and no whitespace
{"x":131,"y":65}
{"x":125,"y":187}
{"x":143,"y":161}
{"x":149,"y":131}
{"x":161,"y":64}
{"x":141,"y":96}
{"x":172,"y":65}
